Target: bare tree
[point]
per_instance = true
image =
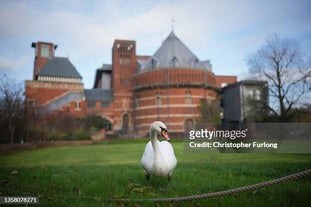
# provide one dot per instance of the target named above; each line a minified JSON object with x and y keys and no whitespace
{"x":11,"y":109}
{"x":280,"y":62}
{"x":210,"y":111}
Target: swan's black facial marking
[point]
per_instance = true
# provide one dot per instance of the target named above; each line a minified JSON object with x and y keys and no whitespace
{"x":163,"y":129}
{"x":164,"y":134}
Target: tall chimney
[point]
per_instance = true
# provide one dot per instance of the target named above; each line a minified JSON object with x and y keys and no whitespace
{"x":43,"y":52}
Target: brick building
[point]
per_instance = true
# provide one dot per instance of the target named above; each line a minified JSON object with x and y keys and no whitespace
{"x":56,"y":87}
{"x":131,"y":92}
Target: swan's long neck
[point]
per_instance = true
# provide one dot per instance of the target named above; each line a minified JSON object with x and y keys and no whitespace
{"x":159,"y":163}
{"x":155,"y":143}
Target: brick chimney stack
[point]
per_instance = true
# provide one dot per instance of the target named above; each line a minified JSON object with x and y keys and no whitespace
{"x":43,"y":52}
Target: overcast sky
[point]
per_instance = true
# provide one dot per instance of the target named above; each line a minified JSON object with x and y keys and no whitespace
{"x":224,"y":32}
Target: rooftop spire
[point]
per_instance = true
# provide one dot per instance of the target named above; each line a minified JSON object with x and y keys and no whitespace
{"x":173,"y":22}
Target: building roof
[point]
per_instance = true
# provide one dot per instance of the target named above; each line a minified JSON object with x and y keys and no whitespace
{"x":59,"y":67}
{"x":245,"y":83}
{"x":174,"y":53}
{"x":98,"y":95}
{"x":105,"y":67}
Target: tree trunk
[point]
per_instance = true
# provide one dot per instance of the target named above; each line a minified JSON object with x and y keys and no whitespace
{"x":11,"y":131}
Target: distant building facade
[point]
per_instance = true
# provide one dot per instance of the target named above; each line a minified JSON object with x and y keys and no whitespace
{"x":131,"y":92}
{"x":56,"y":87}
{"x":245,"y":101}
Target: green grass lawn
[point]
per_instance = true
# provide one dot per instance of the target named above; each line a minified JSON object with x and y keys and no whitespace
{"x":91,"y":175}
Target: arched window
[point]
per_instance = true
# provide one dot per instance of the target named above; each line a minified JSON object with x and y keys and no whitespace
{"x":154,"y":63}
{"x":125,"y":123}
{"x":188,"y":99}
{"x":107,"y":125}
{"x":188,"y":126}
{"x":194,"y":62}
{"x":175,"y":62}
{"x":158,"y":99}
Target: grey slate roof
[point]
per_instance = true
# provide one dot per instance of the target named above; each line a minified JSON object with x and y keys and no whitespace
{"x":98,"y":95}
{"x":174,"y":53}
{"x":59,"y":67}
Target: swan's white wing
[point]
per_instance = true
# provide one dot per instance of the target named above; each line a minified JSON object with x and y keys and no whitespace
{"x":168,"y":154}
{"x":148,"y":157}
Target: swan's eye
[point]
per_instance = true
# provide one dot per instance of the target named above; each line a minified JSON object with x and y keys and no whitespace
{"x":163,"y":129}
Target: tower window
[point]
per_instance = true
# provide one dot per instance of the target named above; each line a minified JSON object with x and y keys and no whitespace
{"x":45,"y":51}
{"x":158,"y":99}
{"x":137,"y":102}
{"x":188,"y":97}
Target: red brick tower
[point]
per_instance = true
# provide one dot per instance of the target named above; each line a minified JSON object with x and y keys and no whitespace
{"x":170,"y":86}
{"x":123,"y":68}
{"x":43,"y":51}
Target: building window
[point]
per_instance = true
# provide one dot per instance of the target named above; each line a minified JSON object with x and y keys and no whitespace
{"x":91,"y":104}
{"x":124,"y":61}
{"x":175,"y":62}
{"x":255,"y":94}
{"x":188,"y":99}
{"x":105,"y":104}
{"x":45,"y":51}
{"x":194,"y":62}
{"x":154,"y":63}
{"x":78,"y":105}
{"x":68,"y":108}
{"x":125,"y":123}
{"x":107,"y":125}
{"x":158,"y":99}
{"x":136,"y":102}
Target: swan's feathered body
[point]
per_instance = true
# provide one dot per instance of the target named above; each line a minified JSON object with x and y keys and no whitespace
{"x":159,"y":157}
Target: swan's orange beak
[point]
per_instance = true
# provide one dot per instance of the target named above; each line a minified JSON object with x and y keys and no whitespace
{"x":165,"y":135}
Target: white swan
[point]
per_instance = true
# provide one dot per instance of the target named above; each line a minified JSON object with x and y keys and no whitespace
{"x":159,"y":157}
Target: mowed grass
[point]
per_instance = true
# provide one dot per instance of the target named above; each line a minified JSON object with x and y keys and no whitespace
{"x":92,"y":175}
